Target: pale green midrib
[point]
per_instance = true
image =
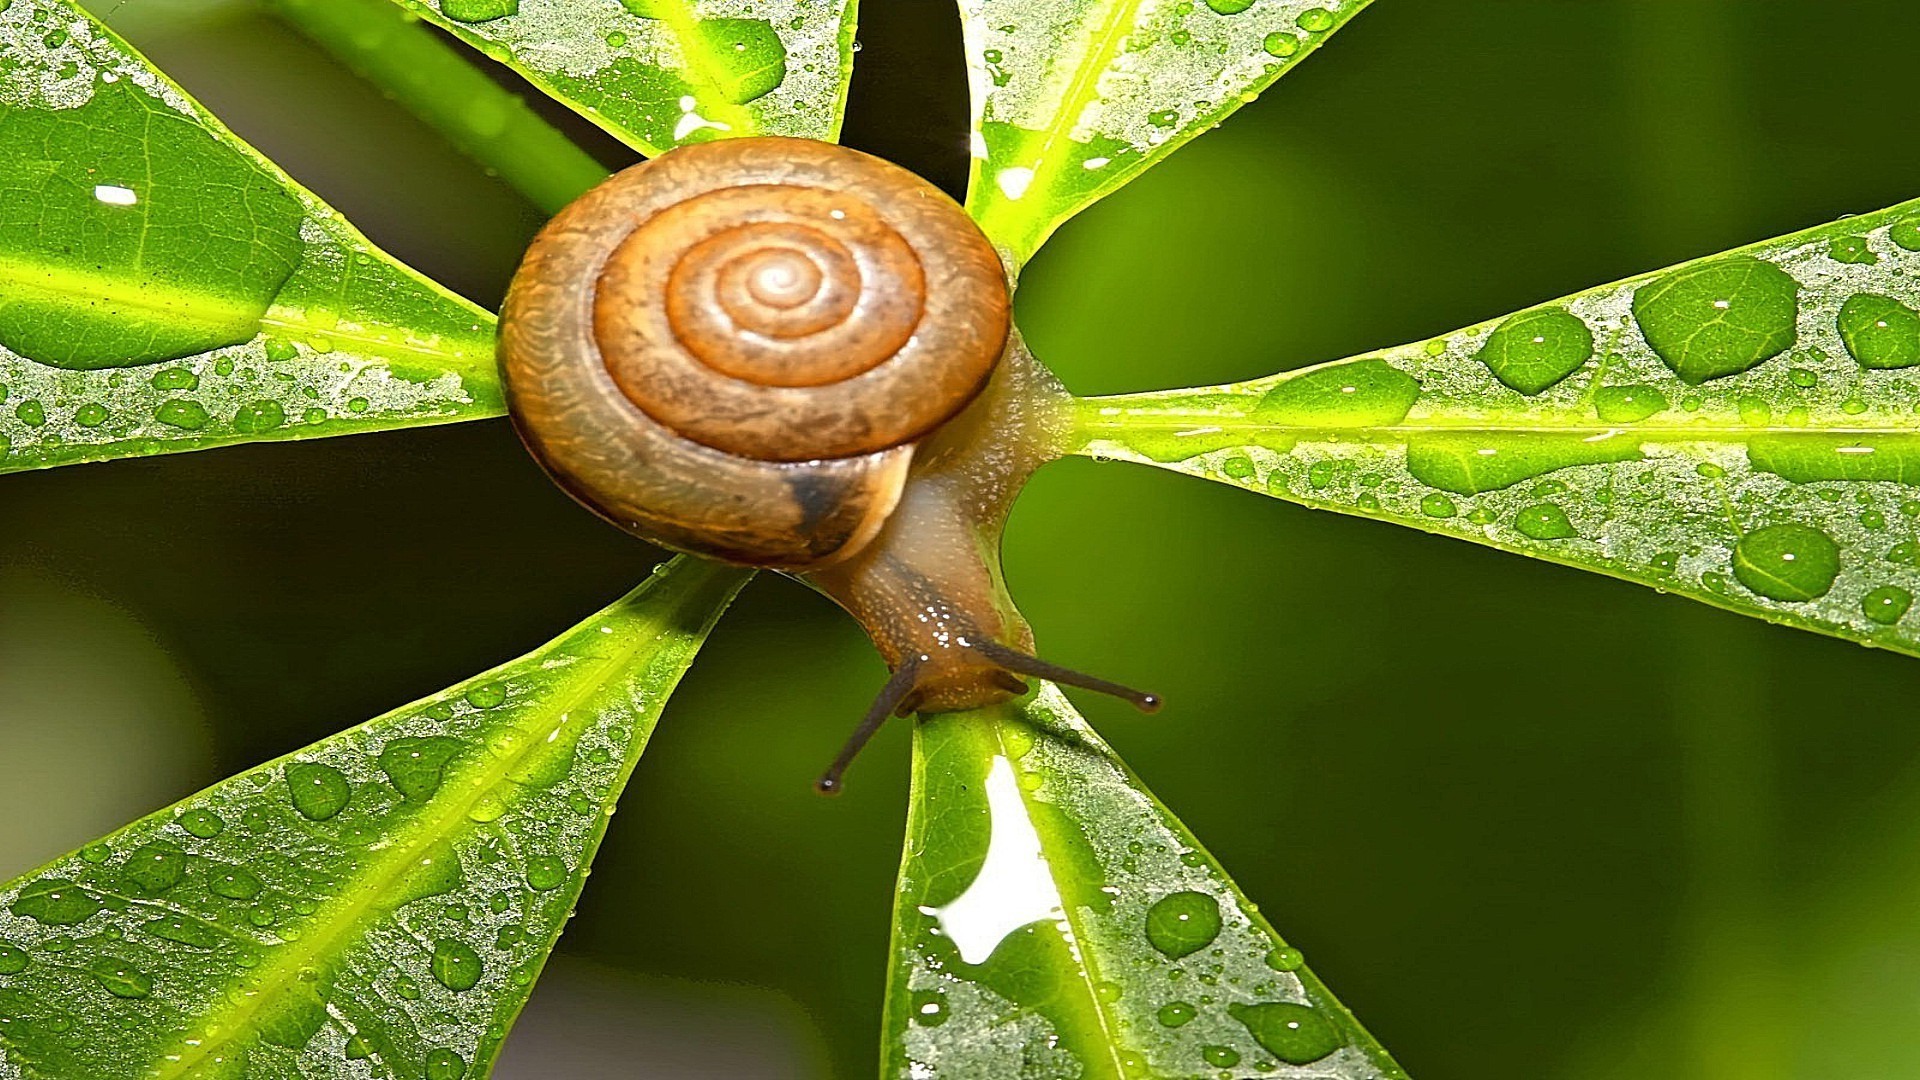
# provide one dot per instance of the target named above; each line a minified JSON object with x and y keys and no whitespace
{"x":436,"y":828}
{"x":1070,"y":911}
{"x":680,"y":23}
{"x":302,"y":327}
{"x":1116,"y":24}
{"x":1117,"y":429}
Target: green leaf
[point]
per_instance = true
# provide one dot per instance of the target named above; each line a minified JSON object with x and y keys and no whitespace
{"x":1073,"y":99}
{"x":1744,"y":430}
{"x":433,"y":80}
{"x":660,"y":73}
{"x":164,"y":288}
{"x":1055,"y":920}
{"x":377,"y":904}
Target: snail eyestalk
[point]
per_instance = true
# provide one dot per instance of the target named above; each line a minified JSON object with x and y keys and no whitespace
{"x":893,"y":698}
{"x":1020,"y":663}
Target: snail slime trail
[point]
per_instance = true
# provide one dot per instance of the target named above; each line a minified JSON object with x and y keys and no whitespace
{"x":786,"y":354}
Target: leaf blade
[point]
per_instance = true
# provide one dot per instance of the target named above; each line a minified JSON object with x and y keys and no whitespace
{"x":165,"y":288}
{"x":389,"y":892}
{"x":1046,"y":898}
{"x":1676,"y":429}
{"x":659,"y":73}
{"x":1071,"y":101}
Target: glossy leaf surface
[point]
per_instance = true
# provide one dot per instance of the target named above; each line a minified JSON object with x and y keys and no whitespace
{"x":660,"y":73}
{"x":1744,"y":429}
{"x":1073,"y":98}
{"x":163,"y":287}
{"x":1055,"y":920}
{"x":377,"y":904}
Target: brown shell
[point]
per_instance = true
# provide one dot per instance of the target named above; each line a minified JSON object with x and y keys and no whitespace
{"x":732,"y":349}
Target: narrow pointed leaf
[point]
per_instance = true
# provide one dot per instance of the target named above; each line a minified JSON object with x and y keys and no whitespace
{"x":1055,"y":920}
{"x":659,"y":73}
{"x":377,"y":904}
{"x":164,"y":288}
{"x":1744,"y":430}
{"x":432,"y":78}
{"x":1072,"y":99}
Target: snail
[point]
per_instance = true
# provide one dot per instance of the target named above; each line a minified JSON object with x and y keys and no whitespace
{"x":786,"y":354}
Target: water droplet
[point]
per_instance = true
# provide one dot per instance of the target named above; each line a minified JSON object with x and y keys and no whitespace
{"x":1880,"y":332}
{"x":183,"y":413}
{"x":746,"y":58}
{"x":1280,"y":44}
{"x":154,"y":868}
{"x":1315,"y":20}
{"x":1183,"y":923}
{"x":929,"y":1008}
{"x":121,"y":979}
{"x":490,"y":696}
{"x":1436,"y":505}
{"x":1886,"y":604}
{"x":90,"y":415}
{"x":1175,"y":1013}
{"x":1468,"y":464}
{"x":258,"y":417}
{"x":1296,"y":1034}
{"x":1628,"y":404}
{"x":13,"y":960}
{"x":1719,"y":318}
{"x":1790,"y":563}
{"x":416,"y":765}
{"x":204,"y":824}
{"x":1906,"y":234}
{"x":232,"y":882}
{"x":1285,"y":958}
{"x":358,"y":1049}
{"x":1361,"y":393}
{"x":55,"y":902}
{"x":1544,"y":521}
{"x":1807,"y":457}
{"x":1852,"y":250}
{"x":319,"y":791}
{"x":1533,"y":350}
{"x":444,"y":1064}
{"x":175,"y":378}
{"x":545,"y":872}
{"x":1804,"y":378}
{"x":475,"y":11}
{"x":1229,"y":7}
{"x":455,"y":965}
{"x":1222,"y":1056}
{"x":184,"y":931}
{"x":31,"y":413}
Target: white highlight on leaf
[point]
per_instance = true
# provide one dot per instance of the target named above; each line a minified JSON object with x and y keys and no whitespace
{"x":691,"y":121}
{"x":1014,"y":181}
{"x":115,"y":195}
{"x":1015,"y":887}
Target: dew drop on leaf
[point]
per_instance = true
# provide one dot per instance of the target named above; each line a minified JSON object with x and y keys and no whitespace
{"x":1229,"y":7}
{"x":1315,"y":20}
{"x":1285,"y":958}
{"x":1280,"y":44}
{"x":1906,"y":234}
{"x":444,"y":1064}
{"x":1436,"y":505}
{"x":1224,"y":1057}
{"x":929,"y":1008}
{"x":318,"y":791}
{"x":13,"y":959}
{"x":183,"y":413}
{"x":56,"y":902}
{"x":416,"y":764}
{"x":1183,"y":923}
{"x":1296,"y":1034}
{"x":154,"y":868}
{"x":456,"y":965}
{"x":1790,"y":563}
{"x":474,"y":11}
{"x":545,"y":872}
{"x":1533,"y":350}
{"x":121,"y":979}
{"x":259,"y":416}
{"x":232,"y":882}
{"x":204,"y":824}
{"x":1719,"y":318}
{"x":1544,"y":521}
{"x":490,"y":696}
{"x":1175,"y":1013}
{"x":1886,"y":604}
{"x":1628,"y":404}
{"x":1880,"y":332}
{"x":90,"y":415}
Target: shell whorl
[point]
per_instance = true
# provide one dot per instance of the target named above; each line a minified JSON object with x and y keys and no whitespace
{"x":733,"y":349}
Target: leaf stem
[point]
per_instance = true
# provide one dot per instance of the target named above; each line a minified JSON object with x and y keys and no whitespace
{"x":390,"y":49}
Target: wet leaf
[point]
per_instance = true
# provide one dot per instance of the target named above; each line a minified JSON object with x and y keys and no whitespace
{"x":1075,"y":98}
{"x":382,"y":900}
{"x":660,"y":73}
{"x":1744,"y":430}
{"x":164,"y":288}
{"x":1055,"y":920}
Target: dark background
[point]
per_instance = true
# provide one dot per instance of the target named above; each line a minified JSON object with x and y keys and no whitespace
{"x":1530,"y":823}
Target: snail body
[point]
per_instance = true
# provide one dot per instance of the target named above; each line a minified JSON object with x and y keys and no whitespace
{"x":787,"y":354}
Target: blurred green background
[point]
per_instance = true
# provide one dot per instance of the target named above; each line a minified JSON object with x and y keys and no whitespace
{"x":1528,"y":822}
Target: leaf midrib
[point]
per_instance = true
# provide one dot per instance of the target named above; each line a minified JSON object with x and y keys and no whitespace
{"x":1118,"y":428}
{"x":375,"y":888}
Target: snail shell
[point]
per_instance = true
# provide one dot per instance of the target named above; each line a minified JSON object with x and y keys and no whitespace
{"x":735,"y":348}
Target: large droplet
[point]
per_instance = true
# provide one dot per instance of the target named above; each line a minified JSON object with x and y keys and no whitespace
{"x":455,"y":965}
{"x":444,"y":1064}
{"x":1468,"y":463}
{"x":232,"y":882}
{"x":1176,"y":1014}
{"x":1182,"y":923}
{"x":154,"y":868}
{"x":318,"y":791}
{"x":1544,"y":521}
{"x":1880,"y":332}
{"x":1362,"y":393}
{"x":929,"y":1008}
{"x":545,"y":872}
{"x":1628,"y":404}
{"x":1791,"y":563}
{"x":1887,"y":604}
{"x":1719,"y":318}
{"x":13,"y":960}
{"x":204,"y":824}
{"x":1535,"y":349}
{"x":474,"y":11}
{"x":751,"y":60}
{"x":1296,"y":1034}
{"x":56,"y":902}
{"x":120,"y":978}
{"x":415,"y":765}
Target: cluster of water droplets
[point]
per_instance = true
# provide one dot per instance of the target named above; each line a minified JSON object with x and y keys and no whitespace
{"x":1745,"y":428}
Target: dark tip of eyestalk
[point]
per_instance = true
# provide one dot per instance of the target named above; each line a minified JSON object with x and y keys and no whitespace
{"x":828,"y":785}
{"x":1148,"y":703}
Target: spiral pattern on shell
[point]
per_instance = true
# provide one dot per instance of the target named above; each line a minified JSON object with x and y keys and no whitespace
{"x":733,"y":349}
{"x":806,"y":302}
